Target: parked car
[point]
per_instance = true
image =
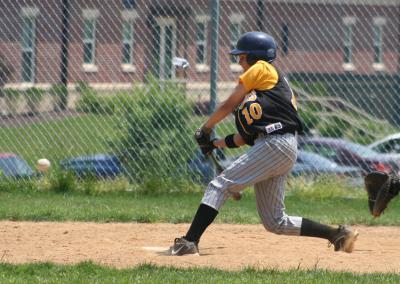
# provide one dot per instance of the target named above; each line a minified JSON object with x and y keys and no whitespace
{"x":11,"y":165}
{"x":348,"y":153}
{"x":310,"y":164}
{"x":99,"y":165}
{"x":389,"y":144}
{"x":315,"y":164}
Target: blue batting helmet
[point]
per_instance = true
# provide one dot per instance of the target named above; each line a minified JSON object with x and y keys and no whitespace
{"x":257,"y":45}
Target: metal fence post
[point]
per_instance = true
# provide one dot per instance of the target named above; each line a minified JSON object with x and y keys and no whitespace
{"x":214,"y":54}
{"x":64,"y":53}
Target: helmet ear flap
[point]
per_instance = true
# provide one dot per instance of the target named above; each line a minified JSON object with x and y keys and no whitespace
{"x":251,"y":59}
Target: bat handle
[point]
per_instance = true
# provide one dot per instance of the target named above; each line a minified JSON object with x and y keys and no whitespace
{"x":217,"y":165}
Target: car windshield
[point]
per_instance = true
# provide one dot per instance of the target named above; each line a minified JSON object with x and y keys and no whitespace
{"x":13,"y":166}
{"x":360,"y":150}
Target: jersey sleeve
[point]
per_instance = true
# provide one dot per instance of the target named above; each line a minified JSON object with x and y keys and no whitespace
{"x":260,"y":76}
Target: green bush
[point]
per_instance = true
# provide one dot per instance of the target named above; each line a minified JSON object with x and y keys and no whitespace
{"x":89,"y":101}
{"x":117,"y":104}
{"x":62,"y":182}
{"x":327,"y":114}
{"x":317,"y":89}
{"x":310,"y":119}
{"x":92,"y":102}
{"x":59,"y":93}
{"x":88,"y":184}
{"x":12,"y":98}
{"x":369,"y":131}
{"x":10,"y":184}
{"x":153,"y":185}
{"x":157,"y":136}
{"x":332,"y":126}
{"x":33,"y":97}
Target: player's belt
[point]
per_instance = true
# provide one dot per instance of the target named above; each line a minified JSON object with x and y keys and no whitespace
{"x":277,"y":129}
{"x":263,"y":134}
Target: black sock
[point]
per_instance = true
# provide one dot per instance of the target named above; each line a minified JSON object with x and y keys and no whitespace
{"x":205,"y":215}
{"x":310,"y":228}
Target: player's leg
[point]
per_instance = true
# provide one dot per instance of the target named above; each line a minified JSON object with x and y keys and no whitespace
{"x":271,"y":208}
{"x":268,"y":157}
{"x":270,"y":195}
{"x":188,"y":244}
{"x":214,"y":197}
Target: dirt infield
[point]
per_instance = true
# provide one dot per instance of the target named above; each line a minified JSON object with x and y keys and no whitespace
{"x":224,"y":246}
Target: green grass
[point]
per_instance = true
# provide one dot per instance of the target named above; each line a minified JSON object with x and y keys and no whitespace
{"x":325,"y":200}
{"x":179,"y":207}
{"x":85,"y":134}
{"x":87,"y":272}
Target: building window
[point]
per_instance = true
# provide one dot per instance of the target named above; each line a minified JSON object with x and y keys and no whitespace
{"x":28,"y":38}
{"x":349,"y":23}
{"x":378,"y":24}
{"x":89,"y":41}
{"x":285,"y":38}
{"x":165,"y":50}
{"x":89,"y":38}
{"x":235,"y":33}
{"x":201,"y":42}
{"x":128,"y":40}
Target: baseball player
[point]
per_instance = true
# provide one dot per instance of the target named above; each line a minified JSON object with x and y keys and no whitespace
{"x":266,"y":119}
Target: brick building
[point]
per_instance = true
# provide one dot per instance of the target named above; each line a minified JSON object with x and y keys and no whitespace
{"x":120,"y":41}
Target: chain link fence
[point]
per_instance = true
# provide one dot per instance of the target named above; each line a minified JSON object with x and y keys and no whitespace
{"x":83,"y":78}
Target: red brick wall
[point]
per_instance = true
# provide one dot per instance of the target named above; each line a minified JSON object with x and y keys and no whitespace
{"x":315,"y":37}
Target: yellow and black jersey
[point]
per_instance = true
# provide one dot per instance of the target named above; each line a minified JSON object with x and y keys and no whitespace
{"x":270,"y":107}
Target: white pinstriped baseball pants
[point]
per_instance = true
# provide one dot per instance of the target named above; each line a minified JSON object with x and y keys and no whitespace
{"x":266,"y":166}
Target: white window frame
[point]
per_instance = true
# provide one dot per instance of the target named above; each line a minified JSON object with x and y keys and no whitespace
{"x":29,"y":14}
{"x":162,"y":22}
{"x":235,"y":19}
{"x":128,"y":17}
{"x":90,"y":15}
{"x":378,"y":24}
{"x":349,"y":23}
{"x":204,"y":20}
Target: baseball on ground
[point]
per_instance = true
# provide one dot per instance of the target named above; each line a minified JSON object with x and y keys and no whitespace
{"x":43,"y":165}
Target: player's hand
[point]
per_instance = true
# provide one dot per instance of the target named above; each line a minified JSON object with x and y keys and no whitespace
{"x":203,"y":139}
{"x":206,"y":150}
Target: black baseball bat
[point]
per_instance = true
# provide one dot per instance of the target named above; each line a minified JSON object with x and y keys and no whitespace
{"x":217,"y":165}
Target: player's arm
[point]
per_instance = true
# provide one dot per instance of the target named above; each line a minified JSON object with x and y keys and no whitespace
{"x":226,"y":107}
{"x":237,"y":139}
